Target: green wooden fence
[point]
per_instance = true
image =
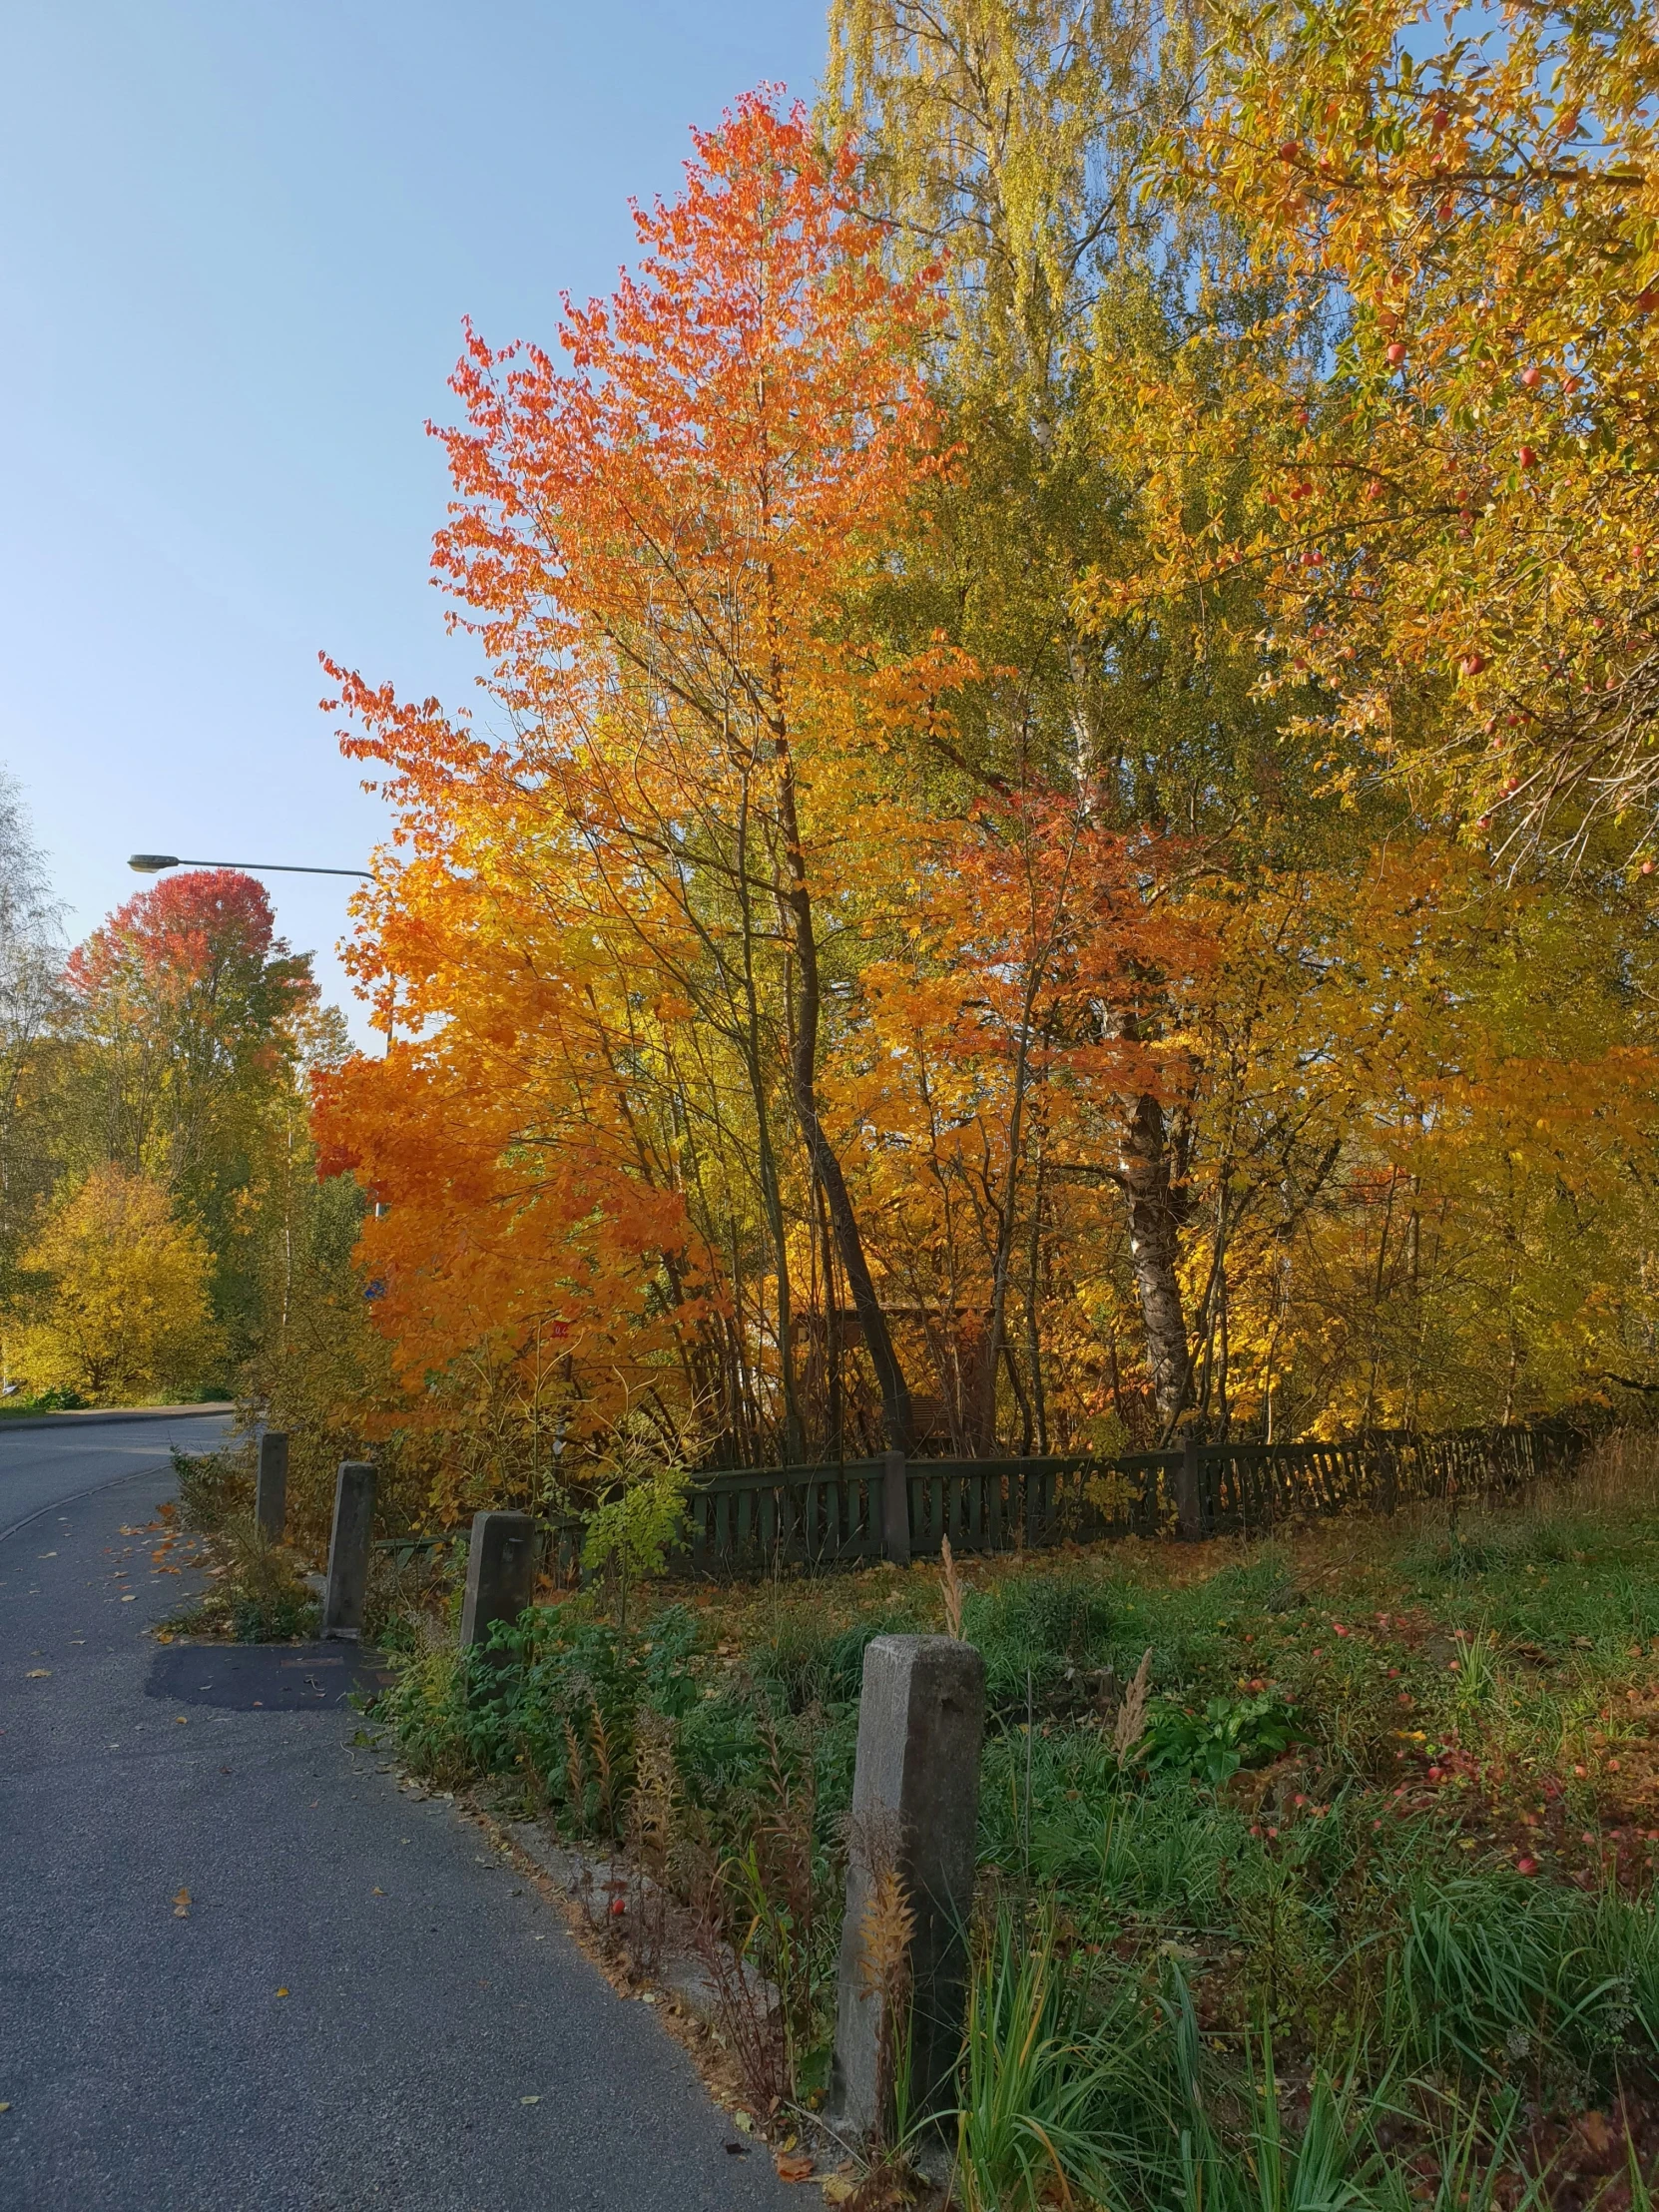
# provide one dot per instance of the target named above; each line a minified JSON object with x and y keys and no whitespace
{"x":830,"y":1516}
{"x":758,"y":1519}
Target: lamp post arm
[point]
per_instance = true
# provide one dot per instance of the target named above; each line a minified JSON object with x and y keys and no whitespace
{"x":152,"y":864}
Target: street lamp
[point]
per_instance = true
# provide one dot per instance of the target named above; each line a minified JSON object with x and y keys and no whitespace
{"x":152,"y":864}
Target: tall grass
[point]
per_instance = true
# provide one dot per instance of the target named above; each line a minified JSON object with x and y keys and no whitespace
{"x":1039,"y":2071}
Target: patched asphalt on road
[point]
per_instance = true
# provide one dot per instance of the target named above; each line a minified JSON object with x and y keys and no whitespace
{"x":252,"y":1678}
{"x":243,"y":1974}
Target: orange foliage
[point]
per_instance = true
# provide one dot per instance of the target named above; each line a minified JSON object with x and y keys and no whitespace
{"x":611,"y":921}
{"x":1042,"y":988}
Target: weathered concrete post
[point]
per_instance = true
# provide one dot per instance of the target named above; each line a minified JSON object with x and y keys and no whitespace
{"x":915,"y":1813}
{"x":500,"y":1575}
{"x":1189,"y":1494}
{"x":895,"y":1507}
{"x":348,"y":1590}
{"x":271,"y":1486}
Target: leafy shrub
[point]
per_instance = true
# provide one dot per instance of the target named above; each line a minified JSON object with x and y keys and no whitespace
{"x":1230,"y":1733}
{"x":428,"y":1708}
{"x":56,"y":1400}
{"x":555,"y":1700}
{"x":631,"y":1532}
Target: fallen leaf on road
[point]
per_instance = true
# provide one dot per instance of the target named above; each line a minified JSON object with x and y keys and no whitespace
{"x":46,"y":1555}
{"x":529,"y":2100}
{"x":794,"y":2167}
{"x":741,"y":2119}
{"x":181,"y":1720}
{"x":281,"y":1992}
{"x":838,"y":2188}
{"x":181,"y":1905}
{"x":377,"y":1893}
{"x":129,"y":1597}
{"x":38,"y":1674}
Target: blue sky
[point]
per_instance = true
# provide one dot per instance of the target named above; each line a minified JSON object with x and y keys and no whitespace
{"x":239,"y":239}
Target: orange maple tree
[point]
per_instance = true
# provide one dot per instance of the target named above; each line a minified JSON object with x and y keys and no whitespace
{"x":617,"y":928}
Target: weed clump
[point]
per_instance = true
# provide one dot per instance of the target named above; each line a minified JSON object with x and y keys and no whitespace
{"x":214,"y":1487}
{"x":258,"y":1593}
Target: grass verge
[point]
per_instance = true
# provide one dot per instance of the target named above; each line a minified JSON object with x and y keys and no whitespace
{"x":1361,"y":1914}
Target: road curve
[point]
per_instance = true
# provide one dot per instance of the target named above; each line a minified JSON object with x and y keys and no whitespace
{"x":44,"y":1467}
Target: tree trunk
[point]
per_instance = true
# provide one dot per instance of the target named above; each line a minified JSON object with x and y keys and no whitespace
{"x":1154,"y":1235}
{"x":895,"y":1395}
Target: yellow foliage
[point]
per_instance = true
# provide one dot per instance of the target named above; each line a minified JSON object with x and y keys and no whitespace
{"x":1435,"y":456}
{"x":124,"y":1316}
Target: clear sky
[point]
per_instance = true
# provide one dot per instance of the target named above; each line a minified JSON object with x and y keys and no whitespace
{"x":237,"y":241}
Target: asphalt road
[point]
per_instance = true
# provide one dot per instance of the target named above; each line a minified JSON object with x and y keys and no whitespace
{"x":359,"y":2005}
{"x":44,"y":1467}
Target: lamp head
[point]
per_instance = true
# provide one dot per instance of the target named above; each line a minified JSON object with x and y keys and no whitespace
{"x":152,"y":864}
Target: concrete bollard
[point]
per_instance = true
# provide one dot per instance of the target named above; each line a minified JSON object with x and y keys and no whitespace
{"x":500,"y":1574}
{"x":915,"y":1813}
{"x":271,"y":1486}
{"x":347,"y":1591}
{"x":895,"y":1507}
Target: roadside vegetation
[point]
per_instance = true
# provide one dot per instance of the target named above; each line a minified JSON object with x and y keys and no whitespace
{"x":256,"y":1590}
{"x":1315,"y":1873}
